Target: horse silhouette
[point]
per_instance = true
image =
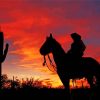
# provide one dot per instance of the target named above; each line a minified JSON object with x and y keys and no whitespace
{"x":67,"y":68}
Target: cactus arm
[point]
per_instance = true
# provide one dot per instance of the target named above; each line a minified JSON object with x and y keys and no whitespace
{"x":1,"y":44}
{"x":5,"y":52}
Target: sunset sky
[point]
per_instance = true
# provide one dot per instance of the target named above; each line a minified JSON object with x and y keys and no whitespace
{"x":26,"y":23}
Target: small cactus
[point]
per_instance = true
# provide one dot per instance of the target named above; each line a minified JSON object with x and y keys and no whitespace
{"x":3,"y":53}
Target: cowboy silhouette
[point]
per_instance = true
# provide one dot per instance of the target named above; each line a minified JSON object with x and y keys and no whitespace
{"x":77,"y":47}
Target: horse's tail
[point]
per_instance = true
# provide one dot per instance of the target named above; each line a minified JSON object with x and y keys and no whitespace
{"x":95,"y":68}
{"x":98,"y":77}
{"x":99,"y":73}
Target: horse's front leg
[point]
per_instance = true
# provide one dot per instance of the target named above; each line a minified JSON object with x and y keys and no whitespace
{"x":65,"y":81}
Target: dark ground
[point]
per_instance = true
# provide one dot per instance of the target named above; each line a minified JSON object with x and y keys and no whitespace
{"x":46,"y":94}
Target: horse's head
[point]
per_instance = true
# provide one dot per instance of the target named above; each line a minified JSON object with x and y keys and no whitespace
{"x":52,"y":46}
{"x":46,"y":48}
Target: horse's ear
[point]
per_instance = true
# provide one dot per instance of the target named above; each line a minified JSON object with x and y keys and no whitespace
{"x":51,"y":35}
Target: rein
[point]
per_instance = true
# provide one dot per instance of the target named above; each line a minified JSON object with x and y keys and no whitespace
{"x":45,"y":63}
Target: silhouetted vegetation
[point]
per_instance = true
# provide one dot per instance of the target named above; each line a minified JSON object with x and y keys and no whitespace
{"x":34,"y":88}
{"x":3,"y":53}
{"x":16,"y":83}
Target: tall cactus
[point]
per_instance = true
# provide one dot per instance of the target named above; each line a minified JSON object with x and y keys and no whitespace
{"x":3,"y":53}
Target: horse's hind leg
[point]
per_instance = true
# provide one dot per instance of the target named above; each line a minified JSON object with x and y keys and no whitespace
{"x":90,"y":81}
{"x":92,"y":87}
{"x":98,"y":77}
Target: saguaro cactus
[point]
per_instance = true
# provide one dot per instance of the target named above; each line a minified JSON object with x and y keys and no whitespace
{"x":3,"y":53}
